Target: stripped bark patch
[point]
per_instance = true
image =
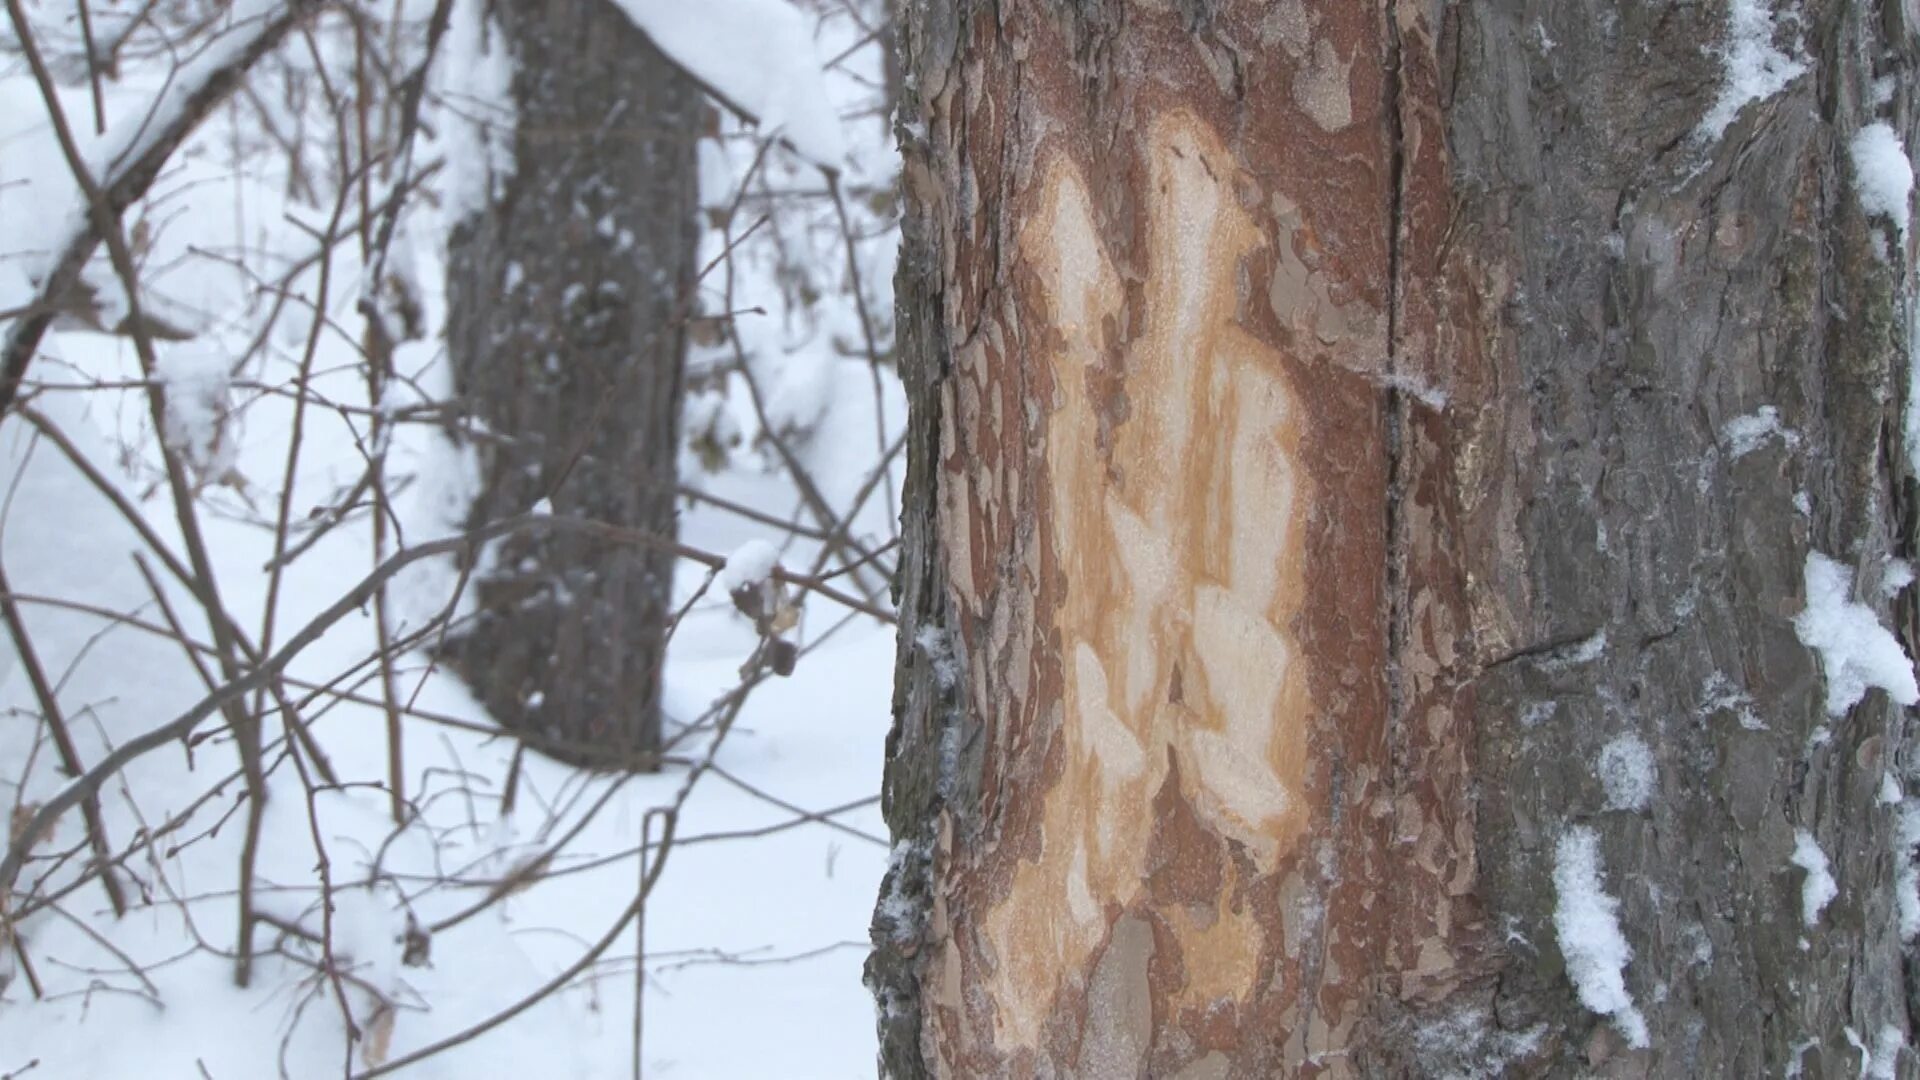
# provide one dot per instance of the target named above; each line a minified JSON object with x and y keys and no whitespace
{"x":1164,"y":474}
{"x":1183,"y":573}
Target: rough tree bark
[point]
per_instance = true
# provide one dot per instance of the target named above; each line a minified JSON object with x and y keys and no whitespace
{"x":567,"y":304}
{"x":1319,"y":458}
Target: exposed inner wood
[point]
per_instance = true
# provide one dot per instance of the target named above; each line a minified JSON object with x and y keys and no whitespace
{"x":1178,"y":538}
{"x":1450,"y":306}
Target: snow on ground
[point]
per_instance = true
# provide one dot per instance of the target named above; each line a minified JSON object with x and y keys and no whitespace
{"x":759,"y":921}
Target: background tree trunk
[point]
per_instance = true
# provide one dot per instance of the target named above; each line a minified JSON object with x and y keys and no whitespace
{"x":566,"y":323}
{"x":1321,"y":476}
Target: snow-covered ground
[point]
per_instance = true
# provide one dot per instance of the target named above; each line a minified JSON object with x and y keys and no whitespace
{"x":756,"y":932}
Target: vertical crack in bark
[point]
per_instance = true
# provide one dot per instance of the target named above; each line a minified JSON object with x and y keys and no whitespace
{"x":1396,"y":403}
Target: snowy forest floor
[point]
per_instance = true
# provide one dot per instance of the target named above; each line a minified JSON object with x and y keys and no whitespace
{"x":756,"y":933}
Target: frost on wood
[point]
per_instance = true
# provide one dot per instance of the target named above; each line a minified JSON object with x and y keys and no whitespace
{"x":1470,"y":1044}
{"x":1818,"y":890}
{"x":1748,"y":433}
{"x":1585,"y":919}
{"x":1626,"y":773}
{"x":1856,"y":652}
{"x":938,"y":647}
{"x":1754,"y":69}
{"x":1883,"y":174}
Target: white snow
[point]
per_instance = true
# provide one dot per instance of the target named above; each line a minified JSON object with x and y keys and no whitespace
{"x":1574,"y":653}
{"x":221,"y":228}
{"x":1910,"y":428}
{"x":946,"y":667}
{"x":1818,"y":890}
{"x":1882,"y":1061}
{"x":1856,"y":652}
{"x":760,"y":55}
{"x":1883,"y":174}
{"x":1886,"y":1052}
{"x":196,"y":382}
{"x":1718,"y":693}
{"x":1626,"y":773}
{"x":1585,"y":919}
{"x":1754,"y":69}
{"x":42,"y":209}
{"x":474,"y":71}
{"x":1906,"y":874}
{"x":1897,"y":575}
{"x":1745,"y":434}
{"x":750,"y":564}
{"x":132,"y":133}
{"x":1417,"y":388}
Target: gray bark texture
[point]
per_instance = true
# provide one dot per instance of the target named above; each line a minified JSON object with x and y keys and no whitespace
{"x":1476,"y":301}
{"x":566,"y":325}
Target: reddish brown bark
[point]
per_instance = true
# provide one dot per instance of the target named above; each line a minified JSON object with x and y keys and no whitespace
{"x":1320,"y":463}
{"x":1171,"y":456}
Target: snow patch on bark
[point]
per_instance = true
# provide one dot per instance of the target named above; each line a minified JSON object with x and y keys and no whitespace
{"x":1819,"y":889}
{"x":1906,"y":876}
{"x":1469,"y":1044}
{"x":1882,"y":1061}
{"x":1745,"y":434}
{"x":1755,"y":70}
{"x":1626,"y":773}
{"x":1883,"y":174}
{"x":1856,"y":652}
{"x":1718,"y":693}
{"x":933,"y":641}
{"x":1586,"y":921}
{"x":1910,"y":428}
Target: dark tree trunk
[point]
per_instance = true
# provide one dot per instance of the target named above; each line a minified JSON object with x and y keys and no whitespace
{"x":1322,"y":491}
{"x":566,"y":326}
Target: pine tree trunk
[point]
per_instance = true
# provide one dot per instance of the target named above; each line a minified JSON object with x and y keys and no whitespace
{"x":1339,"y":487}
{"x":566,"y":325}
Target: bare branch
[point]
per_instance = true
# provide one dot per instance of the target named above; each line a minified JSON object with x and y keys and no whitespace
{"x":203,"y":84}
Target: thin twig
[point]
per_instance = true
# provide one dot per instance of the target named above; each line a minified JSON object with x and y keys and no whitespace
{"x":56,"y":722}
{"x":129,"y":182}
